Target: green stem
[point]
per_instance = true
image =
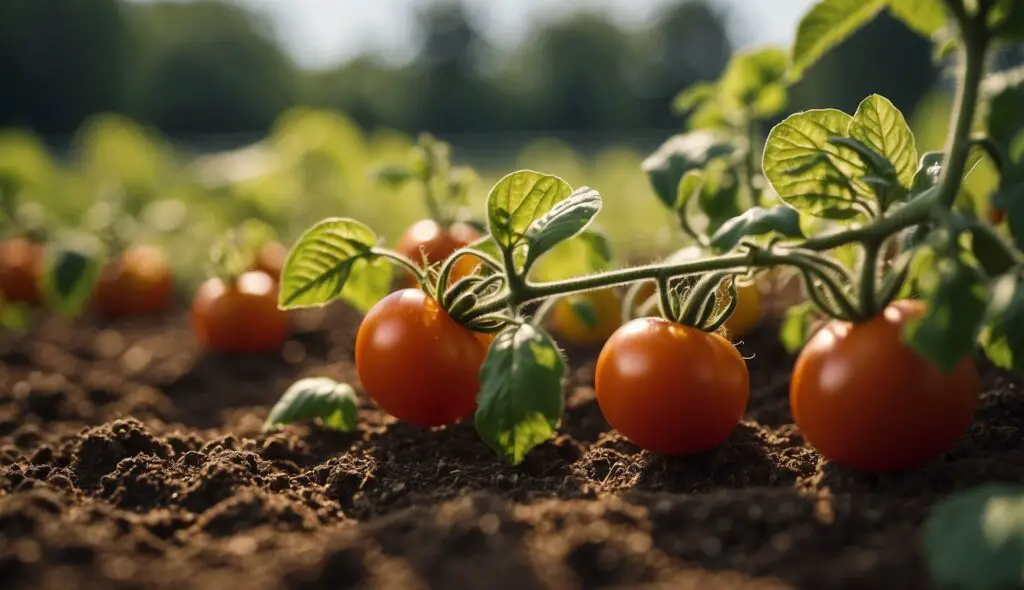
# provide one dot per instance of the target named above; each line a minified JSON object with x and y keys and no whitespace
{"x":868,"y":275}
{"x":975,"y":44}
{"x":402,"y":261}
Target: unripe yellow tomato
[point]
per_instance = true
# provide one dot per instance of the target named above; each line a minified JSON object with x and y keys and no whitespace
{"x":586,"y":318}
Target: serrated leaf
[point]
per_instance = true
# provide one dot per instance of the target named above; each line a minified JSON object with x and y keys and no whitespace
{"x":956,"y":299}
{"x":333,"y":260}
{"x":881,"y":126}
{"x":317,"y":397}
{"x":797,"y":323}
{"x":807,"y":170}
{"x":520,"y":392}
{"x":587,"y":253}
{"x":826,"y":25}
{"x":1002,"y":337}
{"x":974,"y":540}
{"x":69,"y":276}
{"x":757,"y":221}
{"x":677,"y":156}
{"x":754,"y":80}
{"x":565,"y":220}
{"x":926,"y":17}
{"x":519,"y":199}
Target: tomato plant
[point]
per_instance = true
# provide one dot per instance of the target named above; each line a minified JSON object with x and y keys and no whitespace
{"x":416,"y":362}
{"x":136,"y":283}
{"x":842,"y":201}
{"x":21,"y":266}
{"x":665,"y":405}
{"x":445,"y":193}
{"x":866,"y":399}
{"x":239,"y":315}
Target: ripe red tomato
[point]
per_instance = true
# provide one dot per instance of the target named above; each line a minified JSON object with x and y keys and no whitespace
{"x":567,"y":323}
{"x":137,"y":283}
{"x":428,"y":238}
{"x":866,"y":400}
{"x":270,"y":258}
{"x":239,"y":318}
{"x":669,"y":388}
{"x":21,"y":266}
{"x":416,"y":362}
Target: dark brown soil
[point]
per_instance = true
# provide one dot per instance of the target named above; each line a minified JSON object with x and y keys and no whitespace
{"x":130,"y":460}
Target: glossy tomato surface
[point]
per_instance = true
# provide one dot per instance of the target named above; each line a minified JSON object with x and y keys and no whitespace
{"x":427,"y":238}
{"x":137,"y":283}
{"x":866,"y":400}
{"x":669,"y":388}
{"x":21,"y":266}
{"x":603,"y":306}
{"x":416,"y":362}
{"x":270,"y":258}
{"x":239,"y":318}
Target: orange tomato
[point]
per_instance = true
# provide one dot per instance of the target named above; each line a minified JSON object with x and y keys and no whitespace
{"x":137,"y":283}
{"x":239,"y":318}
{"x":270,"y":258}
{"x":605,"y":307}
{"x":866,"y":400}
{"x":669,"y":388}
{"x":416,"y":362}
{"x":21,"y":267}
{"x":427,"y":238}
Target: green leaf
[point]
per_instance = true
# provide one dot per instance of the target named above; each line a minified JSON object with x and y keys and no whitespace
{"x":520,"y":392}
{"x":519,"y":199}
{"x":677,"y":156}
{"x":755,"y":80}
{"x":565,"y":220}
{"x":956,"y":299}
{"x":928,"y":172}
{"x":796,"y":326}
{"x":70,"y":275}
{"x":719,"y":199}
{"x":694,"y":96}
{"x":689,"y":186}
{"x":585,"y":254}
{"x":334,"y":259}
{"x":827,"y":24}
{"x":926,"y":17}
{"x":881,"y":126}
{"x":1002,"y":337}
{"x":394,"y":176}
{"x":757,"y":221}
{"x":994,"y":256}
{"x":809,"y":172}
{"x":975,"y":539}
{"x":317,"y":397}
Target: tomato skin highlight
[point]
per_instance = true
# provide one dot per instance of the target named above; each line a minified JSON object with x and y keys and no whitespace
{"x":240,"y":318}
{"x":866,"y":400}
{"x":21,"y":267}
{"x":137,"y":283}
{"x":270,"y":258}
{"x":607,"y":308}
{"x":416,"y":362}
{"x":428,"y":238}
{"x":669,"y":388}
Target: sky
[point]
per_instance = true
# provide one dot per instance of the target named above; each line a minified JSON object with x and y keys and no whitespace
{"x":321,"y":33}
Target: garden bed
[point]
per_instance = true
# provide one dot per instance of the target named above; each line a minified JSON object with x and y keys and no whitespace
{"x":128,"y":459}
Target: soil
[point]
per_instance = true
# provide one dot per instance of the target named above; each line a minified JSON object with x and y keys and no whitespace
{"x":129,"y":459}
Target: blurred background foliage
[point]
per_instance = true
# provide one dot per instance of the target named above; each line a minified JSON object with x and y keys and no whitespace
{"x":174,"y":120}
